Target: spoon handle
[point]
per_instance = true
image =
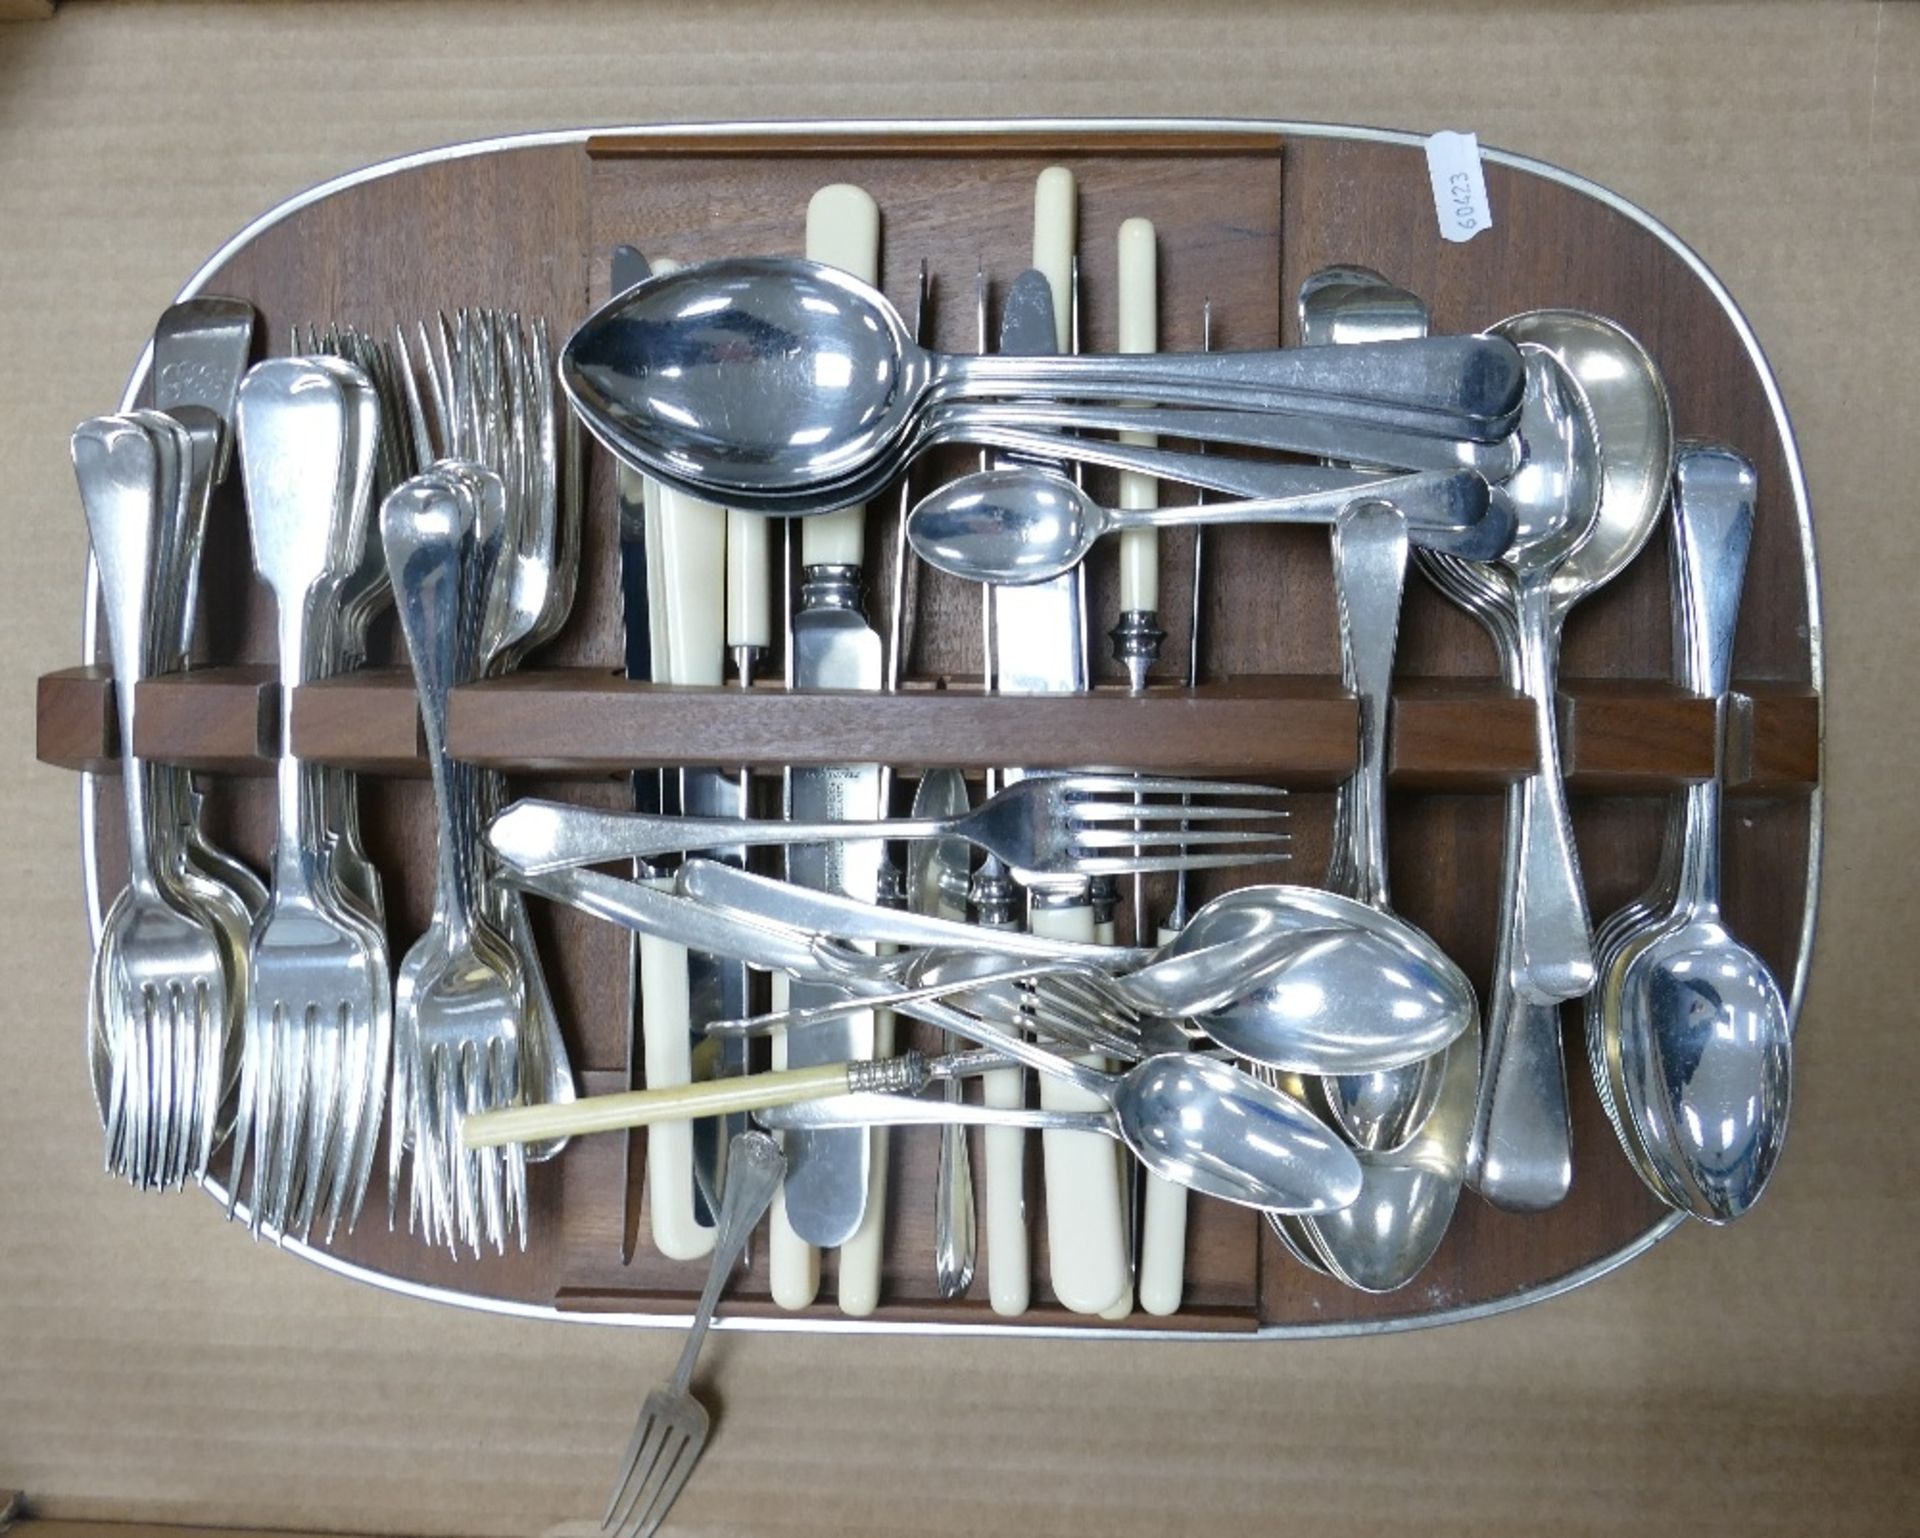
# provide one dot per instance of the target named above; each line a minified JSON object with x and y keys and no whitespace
{"x":1370,"y":573}
{"x":1553,"y":939}
{"x":1713,"y":497}
{"x":1471,"y":385}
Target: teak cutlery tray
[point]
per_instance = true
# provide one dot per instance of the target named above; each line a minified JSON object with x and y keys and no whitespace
{"x":1243,"y":214}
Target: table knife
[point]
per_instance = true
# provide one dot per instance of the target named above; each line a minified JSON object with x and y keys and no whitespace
{"x":833,"y":647}
{"x":1040,"y":645}
{"x":673,"y":563}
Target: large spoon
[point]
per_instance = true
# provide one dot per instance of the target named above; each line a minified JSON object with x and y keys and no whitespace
{"x":1704,"y":1038}
{"x":767,"y":374}
{"x":1030,"y":524}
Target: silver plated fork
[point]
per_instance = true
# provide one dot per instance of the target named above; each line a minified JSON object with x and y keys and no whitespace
{"x":320,"y":1016}
{"x":1044,"y":828}
{"x":461,"y":998}
{"x":672,"y":1430}
{"x":160,"y":988}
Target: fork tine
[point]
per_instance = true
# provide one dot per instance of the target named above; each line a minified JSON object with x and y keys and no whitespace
{"x":1108,"y":784}
{"x":1171,"y":811}
{"x":1155,"y":865}
{"x":1171,"y":838}
{"x":652,"y":1431}
{"x":675,"y":1471}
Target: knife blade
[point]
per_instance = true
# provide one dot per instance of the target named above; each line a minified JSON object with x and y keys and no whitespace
{"x":833,"y":647}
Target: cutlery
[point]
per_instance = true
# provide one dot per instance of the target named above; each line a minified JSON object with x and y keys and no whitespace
{"x":460,"y":1002}
{"x":937,"y":879}
{"x":1379,"y":987}
{"x":825,"y":1194}
{"x":1189,"y":1118}
{"x":490,"y":384}
{"x":673,"y":1427}
{"x":1619,"y":402}
{"x":650,"y":961}
{"x":1040,"y":643}
{"x":686,"y":988}
{"x":160,"y":1010}
{"x":1042,"y":829}
{"x":320,"y":1005}
{"x":1694,"y":1028}
{"x":1520,"y":1154}
{"x":1025,"y":524}
{"x":853,"y":389}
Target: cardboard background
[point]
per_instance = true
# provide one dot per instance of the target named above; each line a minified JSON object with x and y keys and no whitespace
{"x":153,"y":1362}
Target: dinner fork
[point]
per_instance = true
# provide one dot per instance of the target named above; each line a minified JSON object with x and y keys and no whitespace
{"x":160,"y":988}
{"x":672,"y":1430}
{"x":461,"y":996}
{"x":1042,"y":828}
{"x":320,"y":1016}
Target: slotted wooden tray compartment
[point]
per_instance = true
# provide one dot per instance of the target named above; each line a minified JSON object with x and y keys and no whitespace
{"x":1243,"y":212}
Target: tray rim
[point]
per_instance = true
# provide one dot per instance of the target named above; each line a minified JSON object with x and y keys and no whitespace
{"x":1091,"y":128}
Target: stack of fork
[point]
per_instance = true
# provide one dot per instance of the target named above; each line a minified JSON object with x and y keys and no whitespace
{"x":169,"y":988}
{"x":481,"y":548}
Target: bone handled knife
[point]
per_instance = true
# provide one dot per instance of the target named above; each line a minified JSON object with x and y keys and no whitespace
{"x":1040,"y":643}
{"x":825,"y":1196}
{"x":680,"y":547}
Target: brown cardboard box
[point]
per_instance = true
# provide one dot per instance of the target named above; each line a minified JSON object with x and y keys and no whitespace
{"x":156,"y":1366}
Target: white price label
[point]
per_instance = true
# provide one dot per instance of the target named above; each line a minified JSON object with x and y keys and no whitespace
{"x":1459,"y":187}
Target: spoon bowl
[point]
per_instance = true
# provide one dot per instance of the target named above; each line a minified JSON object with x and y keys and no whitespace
{"x":1706,"y":1047}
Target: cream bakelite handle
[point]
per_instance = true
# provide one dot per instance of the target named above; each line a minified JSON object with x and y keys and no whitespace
{"x":1139,"y":332}
{"x":749,"y":582}
{"x":1004,"y":1191}
{"x":843,"y":230}
{"x":793,"y":1265}
{"x":666,"y":1018}
{"x":1056,"y":228}
{"x":860,"y":1256}
{"x":1086,"y":1223}
{"x":1163,"y":1236}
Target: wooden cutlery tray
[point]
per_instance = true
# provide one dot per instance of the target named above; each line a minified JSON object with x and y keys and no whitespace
{"x":1243,"y":214}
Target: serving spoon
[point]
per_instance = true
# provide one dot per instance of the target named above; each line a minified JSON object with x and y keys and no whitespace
{"x":756,"y":375}
{"x":1027,"y":523}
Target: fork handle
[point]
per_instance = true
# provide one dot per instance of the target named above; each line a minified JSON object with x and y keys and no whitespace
{"x":754,"y":1168}
{"x":538,"y":836}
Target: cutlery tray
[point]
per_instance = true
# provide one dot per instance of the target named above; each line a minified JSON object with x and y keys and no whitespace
{"x":1243,"y":213}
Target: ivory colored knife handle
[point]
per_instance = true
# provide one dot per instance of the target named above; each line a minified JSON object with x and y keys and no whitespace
{"x":1139,"y":332}
{"x":860,"y":1256}
{"x":1086,"y":1225}
{"x":749,"y":582}
{"x":1056,"y":226}
{"x":1107,"y":932}
{"x":793,"y":1265}
{"x":666,"y":1015}
{"x":843,"y":230}
{"x":1009,"y":1267}
{"x":1163,"y":1236}
{"x":693,"y":560}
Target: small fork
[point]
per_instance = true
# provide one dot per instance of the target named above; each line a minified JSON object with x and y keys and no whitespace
{"x":672,"y":1430}
{"x":1044,"y":828}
